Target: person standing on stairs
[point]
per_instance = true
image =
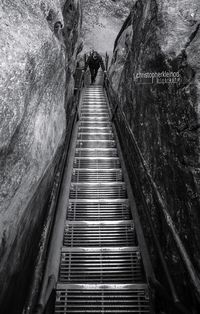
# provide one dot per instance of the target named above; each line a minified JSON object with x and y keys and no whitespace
{"x":94,"y":62}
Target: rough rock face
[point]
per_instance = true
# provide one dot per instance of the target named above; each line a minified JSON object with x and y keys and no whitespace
{"x":102,"y":20}
{"x":164,"y":36}
{"x":38,"y":45}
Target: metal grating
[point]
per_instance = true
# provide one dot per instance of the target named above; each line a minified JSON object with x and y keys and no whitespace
{"x":121,"y":233}
{"x":94,"y":115}
{"x":94,"y":101}
{"x":101,"y":266}
{"x":97,"y":162}
{"x":92,"y":152}
{"x":98,"y":191}
{"x":89,"y":104}
{"x":96,"y":299}
{"x":97,"y":175}
{"x":94,"y":108}
{"x":95,"y":136}
{"x":95,"y":129}
{"x":98,"y":210}
{"x":95,"y":144}
{"x":97,"y":109}
{"x":93,"y":124}
{"x":86,"y":109}
{"x":95,"y":118}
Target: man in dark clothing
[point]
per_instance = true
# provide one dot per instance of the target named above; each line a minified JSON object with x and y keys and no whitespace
{"x":94,"y":62}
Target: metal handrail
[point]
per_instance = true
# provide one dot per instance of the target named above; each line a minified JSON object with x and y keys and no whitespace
{"x":49,"y":221}
{"x":194,"y":278}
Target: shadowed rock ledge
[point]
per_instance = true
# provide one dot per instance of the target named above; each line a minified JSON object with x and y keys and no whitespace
{"x":165,"y":36}
{"x":38,"y":47}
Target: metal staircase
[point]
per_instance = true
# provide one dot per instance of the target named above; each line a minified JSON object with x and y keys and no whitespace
{"x":101,"y":269}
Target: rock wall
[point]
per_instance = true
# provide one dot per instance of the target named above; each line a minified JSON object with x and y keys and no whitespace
{"x":102,"y":20}
{"x":38,"y":47}
{"x":163,"y":37}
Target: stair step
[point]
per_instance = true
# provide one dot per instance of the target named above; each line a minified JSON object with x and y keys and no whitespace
{"x":98,"y":190}
{"x":95,"y":136}
{"x":95,"y":123}
{"x":101,"y":265}
{"x":98,"y":209}
{"x":97,"y":162}
{"x":96,"y":107}
{"x":91,"y":109}
{"x":96,"y":144}
{"x":95,"y":118}
{"x":95,"y":133}
{"x":97,"y":175}
{"x":111,"y":299}
{"x":95,"y":129}
{"x":92,"y":152}
{"x":104,"y":233}
{"x":94,"y":102}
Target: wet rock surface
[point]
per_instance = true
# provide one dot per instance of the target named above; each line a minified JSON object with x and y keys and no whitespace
{"x":164,"y":115}
{"x":38,"y":46}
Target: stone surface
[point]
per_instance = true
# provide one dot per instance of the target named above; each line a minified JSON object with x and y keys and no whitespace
{"x":165,"y":36}
{"x":38,"y":46}
{"x":102,"y":20}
